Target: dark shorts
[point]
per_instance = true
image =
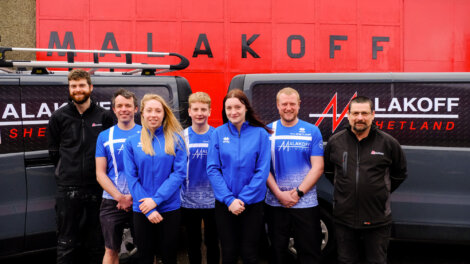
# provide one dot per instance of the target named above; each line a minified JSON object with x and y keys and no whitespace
{"x":113,"y":222}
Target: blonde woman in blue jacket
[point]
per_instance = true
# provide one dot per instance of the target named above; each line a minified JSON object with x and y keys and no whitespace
{"x":155,"y":167}
{"x":238,"y":164}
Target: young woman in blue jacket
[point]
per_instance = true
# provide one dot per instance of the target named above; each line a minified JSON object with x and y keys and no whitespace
{"x":155,"y":167}
{"x":238,"y":163}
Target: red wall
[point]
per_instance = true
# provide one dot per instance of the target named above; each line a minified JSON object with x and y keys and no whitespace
{"x":423,"y":35}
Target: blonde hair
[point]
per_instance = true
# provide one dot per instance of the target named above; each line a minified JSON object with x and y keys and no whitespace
{"x":171,"y":127}
{"x":199,"y":97}
{"x":287,"y":91}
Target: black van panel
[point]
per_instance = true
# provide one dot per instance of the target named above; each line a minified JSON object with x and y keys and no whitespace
{"x":429,"y":114}
{"x":27,"y":199}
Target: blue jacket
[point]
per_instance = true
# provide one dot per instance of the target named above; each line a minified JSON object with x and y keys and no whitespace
{"x":238,"y":164}
{"x":158,"y":177}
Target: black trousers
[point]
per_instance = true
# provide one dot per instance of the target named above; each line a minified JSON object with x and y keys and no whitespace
{"x":375,"y":241}
{"x":303,"y":224}
{"x":239,"y":235}
{"x":192,"y":219}
{"x":79,"y":236}
{"x":152,"y":237}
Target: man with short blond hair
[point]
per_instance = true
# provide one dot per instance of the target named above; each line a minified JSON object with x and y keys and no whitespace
{"x":291,"y":200}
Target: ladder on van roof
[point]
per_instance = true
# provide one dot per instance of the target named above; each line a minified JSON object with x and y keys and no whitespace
{"x":39,"y":67}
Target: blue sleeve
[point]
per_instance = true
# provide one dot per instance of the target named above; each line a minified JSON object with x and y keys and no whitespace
{"x":214,"y":172}
{"x":177,"y":175}
{"x":261,"y":173}
{"x":132,"y":175}
{"x":317,"y":142}
{"x":100,"y":149}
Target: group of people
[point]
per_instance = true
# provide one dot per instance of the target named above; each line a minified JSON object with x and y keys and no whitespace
{"x":233,"y":178}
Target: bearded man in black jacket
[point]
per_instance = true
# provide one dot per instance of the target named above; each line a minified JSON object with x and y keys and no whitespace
{"x":72,"y":133}
{"x":365,"y":165}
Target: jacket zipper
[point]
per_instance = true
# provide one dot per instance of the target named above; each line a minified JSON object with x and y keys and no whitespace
{"x":83,"y":142}
{"x":357,"y":181}
{"x":239,"y":144}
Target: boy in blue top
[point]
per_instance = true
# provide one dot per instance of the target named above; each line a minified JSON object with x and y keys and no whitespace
{"x":115,"y":211}
{"x":197,"y":197}
{"x":297,"y":164}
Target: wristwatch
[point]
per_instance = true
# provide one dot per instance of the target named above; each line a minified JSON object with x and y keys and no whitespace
{"x":300,"y":193}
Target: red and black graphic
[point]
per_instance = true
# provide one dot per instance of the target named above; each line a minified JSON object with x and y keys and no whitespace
{"x":25,"y":111}
{"x":416,"y":114}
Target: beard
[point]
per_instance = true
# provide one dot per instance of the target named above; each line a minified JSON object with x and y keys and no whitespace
{"x":75,"y":97}
{"x":360,"y":129}
{"x":292,"y":117}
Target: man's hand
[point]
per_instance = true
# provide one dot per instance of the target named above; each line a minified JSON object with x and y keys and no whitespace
{"x":155,"y":217}
{"x":124,"y":202}
{"x":146,"y":205}
{"x":237,"y":207}
{"x":286,"y":199}
{"x":294,"y":195}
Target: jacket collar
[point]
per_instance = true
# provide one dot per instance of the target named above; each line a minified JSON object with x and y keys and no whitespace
{"x":233,"y":128}
{"x":75,"y":110}
{"x":158,"y":131}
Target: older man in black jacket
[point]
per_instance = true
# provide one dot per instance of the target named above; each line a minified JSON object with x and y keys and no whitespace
{"x":365,"y":165}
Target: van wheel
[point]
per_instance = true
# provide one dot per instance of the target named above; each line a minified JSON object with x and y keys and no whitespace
{"x":128,"y":248}
{"x":328,"y":243}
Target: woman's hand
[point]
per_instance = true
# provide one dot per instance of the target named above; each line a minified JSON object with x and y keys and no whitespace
{"x":146,"y":205}
{"x":155,"y":217}
{"x":237,"y":207}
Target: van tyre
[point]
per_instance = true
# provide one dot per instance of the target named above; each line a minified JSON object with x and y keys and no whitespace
{"x":328,"y":233}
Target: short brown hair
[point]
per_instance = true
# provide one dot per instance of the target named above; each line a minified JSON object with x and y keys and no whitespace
{"x":199,"y":97}
{"x":361,"y":100}
{"x":79,"y":74}
{"x":126,"y":94}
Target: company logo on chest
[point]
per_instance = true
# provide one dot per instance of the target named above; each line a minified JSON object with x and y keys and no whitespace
{"x":288,"y":145}
{"x":199,"y":153}
{"x":295,"y":141}
{"x":373,"y":152}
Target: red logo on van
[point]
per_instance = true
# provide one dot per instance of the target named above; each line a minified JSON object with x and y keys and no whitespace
{"x":333,"y":103}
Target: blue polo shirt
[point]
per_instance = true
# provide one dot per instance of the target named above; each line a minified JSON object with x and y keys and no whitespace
{"x":292,"y":149}
{"x":196,"y":190}
{"x":110,"y":144}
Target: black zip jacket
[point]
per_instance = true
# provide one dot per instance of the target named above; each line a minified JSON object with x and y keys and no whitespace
{"x":364,"y":174}
{"x":72,"y":142}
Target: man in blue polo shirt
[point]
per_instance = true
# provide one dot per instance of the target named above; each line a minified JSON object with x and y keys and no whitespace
{"x":116,"y":206}
{"x":291,"y":200}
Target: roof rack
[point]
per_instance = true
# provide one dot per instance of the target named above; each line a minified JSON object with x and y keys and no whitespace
{"x":147,"y":69}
